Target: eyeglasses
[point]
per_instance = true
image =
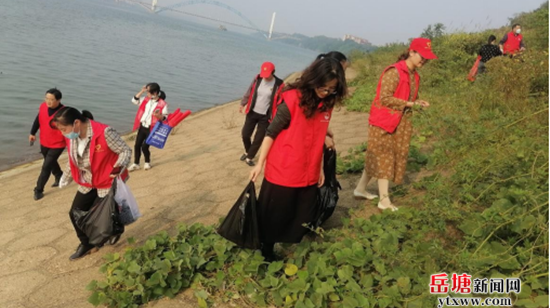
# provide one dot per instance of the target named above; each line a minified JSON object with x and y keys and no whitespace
{"x":330,"y":91}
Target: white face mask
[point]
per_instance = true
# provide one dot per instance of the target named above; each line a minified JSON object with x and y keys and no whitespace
{"x":518,"y":31}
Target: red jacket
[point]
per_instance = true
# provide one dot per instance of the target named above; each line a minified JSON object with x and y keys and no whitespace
{"x":102,"y":160}
{"x":49,"y":137}
{"x":251,"y":96}
{"x":294,"y":159}
{"x":512,"y":44}
{"x":141,"y":110}
{"x":387,"y":118}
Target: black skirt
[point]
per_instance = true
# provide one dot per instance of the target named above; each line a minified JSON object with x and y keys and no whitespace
{"x":282,"y":211}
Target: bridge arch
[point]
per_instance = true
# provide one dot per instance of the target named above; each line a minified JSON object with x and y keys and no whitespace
{"x":215,"y":3}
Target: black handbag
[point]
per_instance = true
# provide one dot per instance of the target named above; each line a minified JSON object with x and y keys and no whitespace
{"x":240,"y":226}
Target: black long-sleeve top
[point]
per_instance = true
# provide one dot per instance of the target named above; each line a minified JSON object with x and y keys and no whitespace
{"x":280,"y":121}
{"x":488,"y":51}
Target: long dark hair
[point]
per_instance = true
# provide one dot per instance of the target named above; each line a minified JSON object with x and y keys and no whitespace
{"x":315,"y":76}
{"x":162,"y":95}
{"x":491,"y":39}
{"x":67,"y":115}
{"x":333,"y":54}
{"x":404,"y":56}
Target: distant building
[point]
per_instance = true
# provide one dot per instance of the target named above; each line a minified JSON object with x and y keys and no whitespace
{"x":356,"y":39}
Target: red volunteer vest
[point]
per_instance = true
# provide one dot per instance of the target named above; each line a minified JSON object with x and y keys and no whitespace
{"x":102,"y":160}
{"x":512,"y":44}
{"x":275,"y":98}
{"x":295,"y":156}
{"x":387,"y":118}
{"x":49,"y":137}
{"x":141,"y":110}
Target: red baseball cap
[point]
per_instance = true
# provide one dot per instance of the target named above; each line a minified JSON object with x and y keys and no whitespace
{"x":267,"y":69}
{"x":424,"y":47}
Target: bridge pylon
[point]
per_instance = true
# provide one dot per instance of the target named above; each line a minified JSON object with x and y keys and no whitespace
{"x":271,"y":27}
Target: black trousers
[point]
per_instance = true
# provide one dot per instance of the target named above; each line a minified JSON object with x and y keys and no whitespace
{"x":83,"y":202}
{"x":141,"y":145}
{"x":49,"y":166}
{"x":283,"y":210}
{"x":252,"y":121}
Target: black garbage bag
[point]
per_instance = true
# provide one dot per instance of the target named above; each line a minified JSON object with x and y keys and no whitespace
{"x":102,"y":221}
{"x":240,"y":226}
{"x":328,"y":193}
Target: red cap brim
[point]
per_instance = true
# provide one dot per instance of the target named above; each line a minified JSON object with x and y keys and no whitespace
{"x":265,"y":74}
{"x":427,"y":54}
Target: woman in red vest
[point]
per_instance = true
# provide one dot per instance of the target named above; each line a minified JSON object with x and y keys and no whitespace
{"x":292,"y":152}
{"x":152,"y":108}
{"x":390,"y":127}
{"x":52,"y":142}
{"x":97,"y":155}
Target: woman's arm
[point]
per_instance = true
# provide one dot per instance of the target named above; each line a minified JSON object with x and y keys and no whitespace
{"x":136,"y":99}
{"x":264,"y":150}
{"x":119,"y":146}
{"x":390,"y":81}
{"x":280,"y":122}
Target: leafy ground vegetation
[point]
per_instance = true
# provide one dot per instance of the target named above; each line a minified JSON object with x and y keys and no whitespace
{"x":481,"y":208}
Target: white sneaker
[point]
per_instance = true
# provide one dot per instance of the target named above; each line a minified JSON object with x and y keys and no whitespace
{"x":392,"y":207}
{"x":147,"y":166}
{"x":365,"y":195}
{"x":133,"y":167}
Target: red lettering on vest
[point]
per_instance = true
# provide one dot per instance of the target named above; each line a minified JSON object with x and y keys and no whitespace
{"x":49,"y":137}
{"x":387,"y":118}
{"x":294,"y":159}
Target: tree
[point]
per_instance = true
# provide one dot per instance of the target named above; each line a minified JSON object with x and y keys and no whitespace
{"x":433,"y":32}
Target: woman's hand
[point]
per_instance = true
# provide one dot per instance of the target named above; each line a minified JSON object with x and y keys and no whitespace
{"x":422,"y":103}
{"x":159,"y":115}
{"x":64,"y":181}
{"x":255,"y":172}
{"x":144,"y":89}
{"x":32,"y":138}
{"x":329,"y":142}
{"x":321,"y":178}
{"x":115,"y":172}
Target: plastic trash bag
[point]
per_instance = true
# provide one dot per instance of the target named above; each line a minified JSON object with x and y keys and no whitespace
{"x":240,"y":226}
{"x":101,"y":221}
{"x":328,"y":193}
{"x":473,"y":70}
{"x":127,"y":204}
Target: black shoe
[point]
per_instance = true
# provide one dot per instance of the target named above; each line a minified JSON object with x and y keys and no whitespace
{"x":272,"y":257}
{"x":243,"y":157}
{"x":81,"y":251}
{"x":250,"y":162}
{"x":38,"y":195}
{"x":56,"y":183}
{"x":114,"y":239}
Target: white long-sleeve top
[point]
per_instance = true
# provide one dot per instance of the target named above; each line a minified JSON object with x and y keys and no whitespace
{"x":149,"y":108}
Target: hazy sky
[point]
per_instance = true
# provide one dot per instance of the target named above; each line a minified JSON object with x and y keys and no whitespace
{"x":380,"y":21}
